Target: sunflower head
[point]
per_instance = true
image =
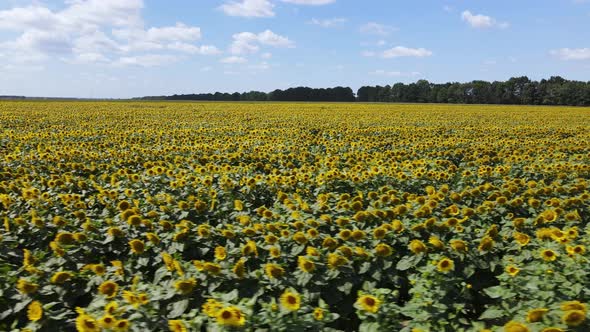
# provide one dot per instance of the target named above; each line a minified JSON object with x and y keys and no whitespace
{"x":573,"y":317}
{"x":368,"y":303}
{"x":536,"y":315}
{"x":177,"y":326}
{"x":35,"y":311}
{"x":548,"y":255}
{"x":290,"y":301}
{"x":513,"y":326}
{"x":445,"y":265}
{"x":108,"y":288}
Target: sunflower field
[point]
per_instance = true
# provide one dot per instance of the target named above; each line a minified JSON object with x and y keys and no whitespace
{"x":153,"y":216}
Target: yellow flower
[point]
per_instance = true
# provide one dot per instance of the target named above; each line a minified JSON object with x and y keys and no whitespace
{"x":536,"y":315}
{"x":61,"y":277}
{"x":336,"y":260}
{"x":85,"y":323}
{"x":107,"y":321}
{"x":250,"y":249}
{"x":486,"y":244}
{"x":220,"y":253}
{"x":290,"y":301}
{"x":552,"y":329}
{"x":436,"y":242}
{"x":459,"y":245}
{"x":368,"y":303}
{"x":573,"y":317}
{"x":111,"y":308}
{"x":305,"y":264}
{"x":238,"y":205}
{"x":318,"y":314}
{"x":211,"y":307}
{"x":176,"y":326}
{"x":548,"y":255}
{"x":383,"y":250}
{"x":445,"y":265}
{"x":239,"y":269}
{"x":122,"y":325}
{"x":185,"y":287}
{"x":522,"y":238}
{"x":26,"y":287}
{"x":512,"y":270}
{"x":273,"y":270}
{"x":513,"y":326}
{"x":231,"y":316}
{"x":35,"y":311}
{"x":417,"y":246}
{"x":137,"y":246}
{"x":573,"y":305}
{"x":108,"y":288}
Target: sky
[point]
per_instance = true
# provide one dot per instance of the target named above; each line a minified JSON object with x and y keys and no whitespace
{"x":131,"y":48}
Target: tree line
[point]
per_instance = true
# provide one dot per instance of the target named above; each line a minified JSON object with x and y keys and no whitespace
{"x":517,"y":90}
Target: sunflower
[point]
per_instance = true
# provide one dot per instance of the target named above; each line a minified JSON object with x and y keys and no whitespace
{"x":107,"y":321}
{"x":436,"y":242}
{"x":211,"y":307}
{"x":35,"y":311}
{"x":231,"y":316}
{"x":536,"y":315}
{"x":85,"y":323}
{"x":177,"y":326}
{"x":573,"y":317}
{"x":273,"y":271}
{"x":486,"y":244}
{"x":417,"y":246}
{"x":512,"y":270}
{"x":445,"y":265}
{"x":137,"y":246}
{"x":521,"y":238}
{"x":335,"y":260}
{"x":383,"y":250}
{"x":186,"y":286}
{"x":122,"y":325}
{"x":290,"y":301}
{"x":111,"y":308}
{"x":368,"y":303}
{"x":552,"y":329}
{"x":305,"y":264}
{"x":459,"y":245}
{"x":250,"y":249}
{"x":318,"y":314}
{"x":548,"y":255}
{"x":220,"y":253}
{"x":61,"y":277}
{"x":26,"y":287}
{"x":573,"y":305}
{"x":239,"y":269}
{"x":513,"y":326}
{"x":108,"y":288}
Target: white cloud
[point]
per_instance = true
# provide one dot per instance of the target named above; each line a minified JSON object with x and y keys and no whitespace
{"x":377,"y":29}
{"x":248,"y":8}
{"x":402,"y":51}
{"x":266,"y":55}
{"x":381,"y":72}
{"x":482,"y":21}
{"x":248,"y":42}
{"x":310,"y":2}
{"x":94,"y":31}
{"x":328,"y":23}
{"x":149,"y":60}
{"x":572,"y":53}
{"x":233,"y":60}
{"x":368,"y":53}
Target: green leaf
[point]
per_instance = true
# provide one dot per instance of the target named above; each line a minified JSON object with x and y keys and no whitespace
{"x":492,"y":313}
{"x":178,"y":308}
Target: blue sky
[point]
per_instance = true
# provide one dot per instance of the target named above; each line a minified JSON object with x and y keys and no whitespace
{"x":127,"y":48}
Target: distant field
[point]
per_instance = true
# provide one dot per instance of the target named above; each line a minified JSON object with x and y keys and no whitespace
{"x":293,"y":217}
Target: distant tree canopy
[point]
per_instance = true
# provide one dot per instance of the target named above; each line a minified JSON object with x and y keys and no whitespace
{"x":517,"y":90}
